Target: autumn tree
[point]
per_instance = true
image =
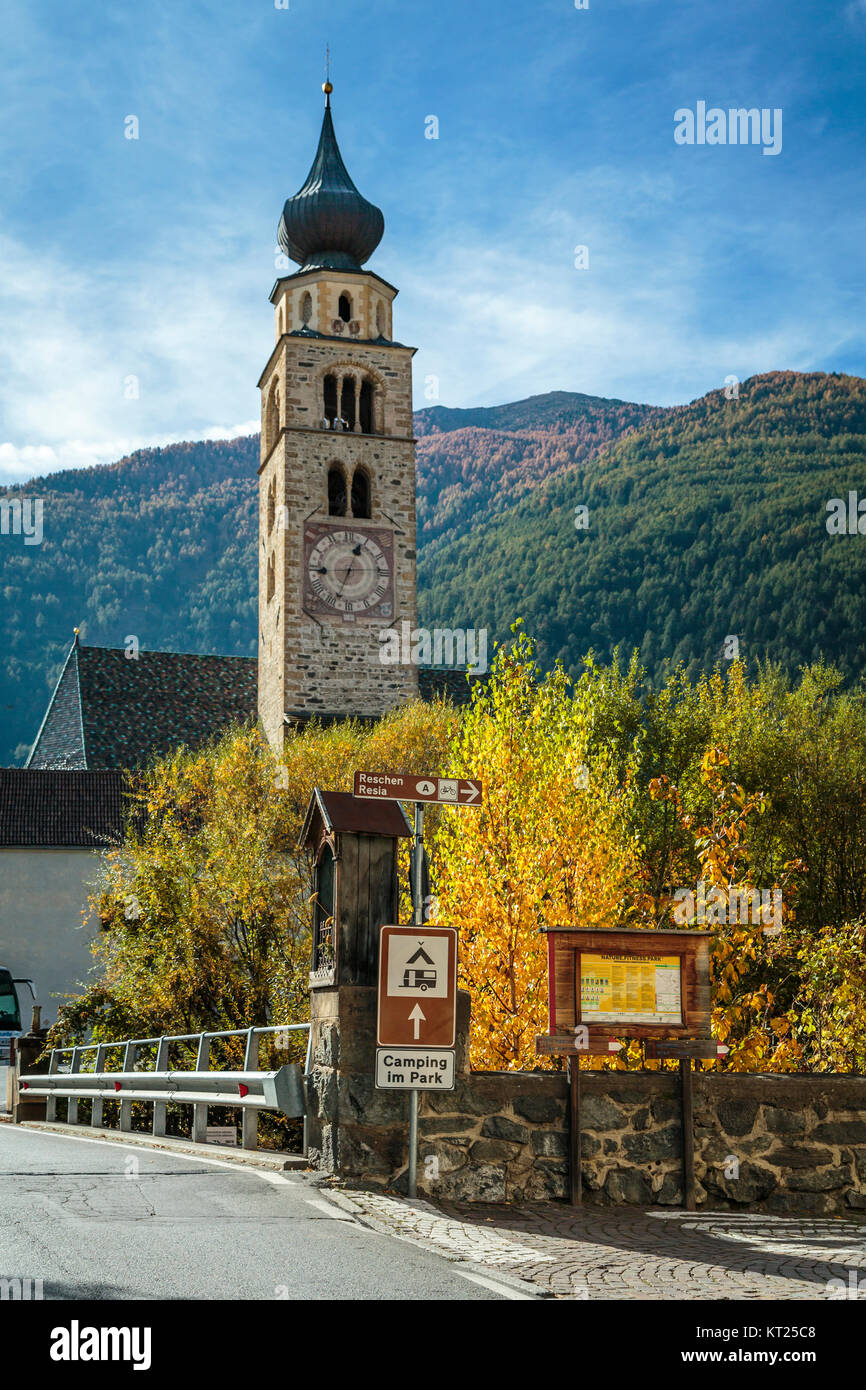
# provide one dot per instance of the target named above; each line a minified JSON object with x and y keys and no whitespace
{"x":546,"y":847}
{"x":206,"y":906}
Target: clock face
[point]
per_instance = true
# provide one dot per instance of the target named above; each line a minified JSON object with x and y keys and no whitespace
{"x":348,"y":571}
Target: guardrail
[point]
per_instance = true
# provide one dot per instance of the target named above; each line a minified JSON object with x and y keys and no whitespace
{"x":249,"y":1090}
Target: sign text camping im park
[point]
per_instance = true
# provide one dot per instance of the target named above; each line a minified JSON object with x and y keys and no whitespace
{"x":633,"y":984}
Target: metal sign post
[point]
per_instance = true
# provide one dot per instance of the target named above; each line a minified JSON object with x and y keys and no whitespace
{"x":416,"y":1029}
{"x":417,"y":873}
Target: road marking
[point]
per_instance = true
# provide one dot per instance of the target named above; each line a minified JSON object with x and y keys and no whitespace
{"x":329,"y":1210}
{"x":504,"y":1289}
{"x":277,"y":1179}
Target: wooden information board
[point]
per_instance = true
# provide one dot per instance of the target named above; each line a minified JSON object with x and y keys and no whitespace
{"x":635,"y":984}
{"x":606,"y":984}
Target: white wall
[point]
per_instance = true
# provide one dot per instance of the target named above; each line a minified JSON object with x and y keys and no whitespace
{"x":42,"y":894}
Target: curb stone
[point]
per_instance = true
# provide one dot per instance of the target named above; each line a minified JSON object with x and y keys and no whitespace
{"x":349,"y":1202}
{"x":252,"y":1158}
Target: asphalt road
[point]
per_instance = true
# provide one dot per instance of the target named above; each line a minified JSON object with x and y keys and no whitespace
{"x":109,"y":1221}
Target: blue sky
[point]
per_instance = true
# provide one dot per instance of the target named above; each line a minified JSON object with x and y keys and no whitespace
{"x":154,"y":258}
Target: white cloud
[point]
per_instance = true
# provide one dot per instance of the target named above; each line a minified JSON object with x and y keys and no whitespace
{"x":192,"y":333}
{"x":18,"y":464}
{"x":635,"y":326}
{"x":497,"y":317}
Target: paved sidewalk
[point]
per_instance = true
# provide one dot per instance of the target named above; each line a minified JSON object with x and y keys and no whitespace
{"x":635,"y":1252}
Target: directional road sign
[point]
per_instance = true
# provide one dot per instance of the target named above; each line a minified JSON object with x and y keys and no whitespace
{"x":417,"y":987}
{"x":450,"y":791}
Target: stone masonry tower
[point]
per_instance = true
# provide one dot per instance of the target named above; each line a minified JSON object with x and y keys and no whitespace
{"x":337,"y":474}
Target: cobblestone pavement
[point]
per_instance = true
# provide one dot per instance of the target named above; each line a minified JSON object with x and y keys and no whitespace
{"x":636,"y":1252}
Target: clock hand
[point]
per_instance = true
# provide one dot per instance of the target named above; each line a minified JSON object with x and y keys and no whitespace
{"x":345,"y":581}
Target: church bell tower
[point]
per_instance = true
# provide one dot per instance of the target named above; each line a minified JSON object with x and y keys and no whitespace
{"x":337,"y":473}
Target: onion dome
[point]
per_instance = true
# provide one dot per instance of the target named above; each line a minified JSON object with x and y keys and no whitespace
{"x":327,"y":223}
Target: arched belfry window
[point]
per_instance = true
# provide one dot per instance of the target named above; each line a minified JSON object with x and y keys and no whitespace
{"x":361,"y":493}
{"x":347,"y":403}
{"x":272,"y":417}
{"x":323,"y":918}
{"x":365,"y":407}
{"x":336,"y":491}
{"x":344,"y":308}
{"x":330,"y":402}
{"x":306,"y":308}
{"x":272,"y":506}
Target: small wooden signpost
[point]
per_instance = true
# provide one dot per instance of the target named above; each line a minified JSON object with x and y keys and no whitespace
{"x":606,"y":984}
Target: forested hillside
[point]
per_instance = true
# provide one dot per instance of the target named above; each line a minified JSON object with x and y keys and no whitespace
{"x":705,"y":525}
{"x":476,"y":464}
{"x":705,"y":522}
{"x":160,"y":545}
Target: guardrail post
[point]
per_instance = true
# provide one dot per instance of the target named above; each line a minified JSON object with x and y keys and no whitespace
{"x":96,"y":1112}
{"x":126,"y":1105}
{"x":250,"y":1117}
{"x":159,"y":1106}
{"x":72,"y":1103}
{"x":51,"y":1102}
{"x":199,"y":1110}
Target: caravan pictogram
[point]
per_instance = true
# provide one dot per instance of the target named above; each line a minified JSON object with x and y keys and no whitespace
{"x":415,"y":976}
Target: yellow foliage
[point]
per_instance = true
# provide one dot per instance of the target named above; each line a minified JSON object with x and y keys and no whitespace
{"x":546,"y":848}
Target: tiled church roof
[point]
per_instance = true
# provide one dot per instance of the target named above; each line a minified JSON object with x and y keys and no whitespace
{"x":45,"y":809}
{"x":452,"y":685}
{"x":109,"y":711}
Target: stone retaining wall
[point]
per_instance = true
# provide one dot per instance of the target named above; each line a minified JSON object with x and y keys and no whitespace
{"x":762,"y":1142}
{"x":771,"y":1143}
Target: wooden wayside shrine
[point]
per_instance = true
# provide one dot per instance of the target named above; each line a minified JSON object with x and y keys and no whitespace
{"x":354,"y":844}
{"x":607,"y":985}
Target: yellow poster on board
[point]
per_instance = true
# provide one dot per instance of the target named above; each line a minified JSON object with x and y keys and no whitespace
{"x":630,"y":989}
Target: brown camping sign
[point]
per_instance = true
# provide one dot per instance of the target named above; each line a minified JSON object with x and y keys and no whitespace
{"x":417,"y":986}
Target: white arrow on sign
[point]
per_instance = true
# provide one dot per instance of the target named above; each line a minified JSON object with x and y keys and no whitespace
{"x":417,"y":1017}
{"x":470,"y":793}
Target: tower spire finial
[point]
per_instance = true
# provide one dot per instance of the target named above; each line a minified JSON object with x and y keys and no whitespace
{"x":327,"y":87}
{"x":328,"y":223}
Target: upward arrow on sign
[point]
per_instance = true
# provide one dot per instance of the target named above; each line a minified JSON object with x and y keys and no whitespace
{"x":417,"y":1017}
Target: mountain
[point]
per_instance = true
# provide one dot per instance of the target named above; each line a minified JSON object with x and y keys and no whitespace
{"x":705,"y":525}
{"x":476,"y":464}
{"x":162,"y":544}
{"x":705,"y":521}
